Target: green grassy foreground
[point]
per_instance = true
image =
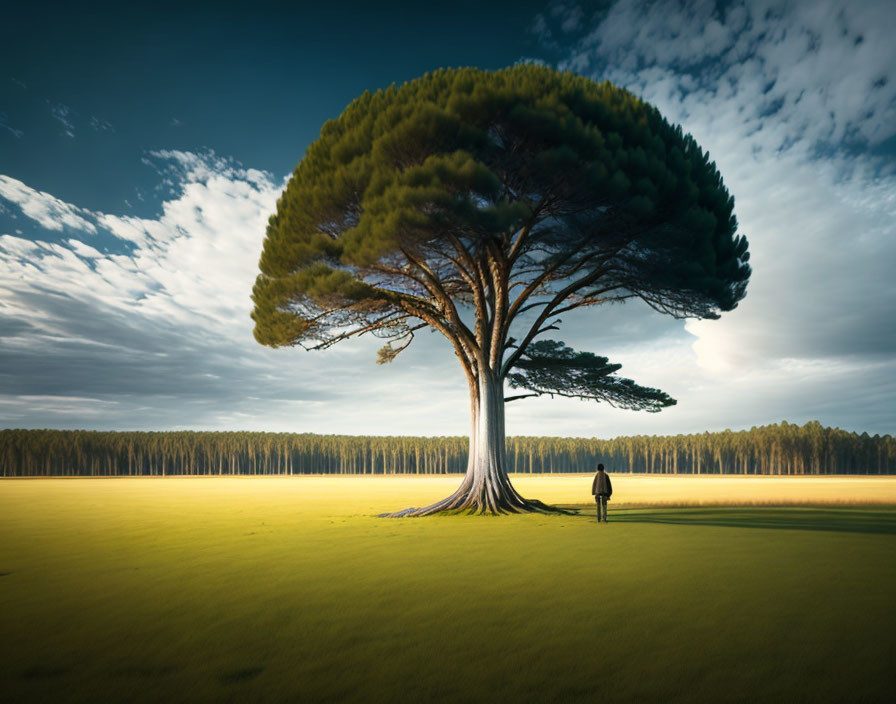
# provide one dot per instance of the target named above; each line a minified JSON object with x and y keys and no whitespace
{"x":287,"y":590}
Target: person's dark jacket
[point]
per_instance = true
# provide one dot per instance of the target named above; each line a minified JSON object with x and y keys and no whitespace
{"x":602,"y":485}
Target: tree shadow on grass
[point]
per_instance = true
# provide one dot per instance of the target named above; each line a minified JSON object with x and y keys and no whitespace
{"x":881,"y":521}
{"x":241,"y":675}
{"x":146,"y":671}
{"x":45,"y":672}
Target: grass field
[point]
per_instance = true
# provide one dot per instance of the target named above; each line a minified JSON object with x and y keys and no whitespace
{"x":291,"y":590}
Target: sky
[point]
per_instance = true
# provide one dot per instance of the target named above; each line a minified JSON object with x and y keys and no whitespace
{"x":142,"y":150}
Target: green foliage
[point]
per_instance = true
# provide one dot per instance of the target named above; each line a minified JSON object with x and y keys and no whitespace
{"x":550,"y":367}
{"x":600,"y":182}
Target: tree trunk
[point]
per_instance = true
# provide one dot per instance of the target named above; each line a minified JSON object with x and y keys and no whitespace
{"x":486,"y":488}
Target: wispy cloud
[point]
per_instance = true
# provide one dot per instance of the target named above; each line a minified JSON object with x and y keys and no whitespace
{"x":569,"y":16}
{"x":100,"y":125}
{"x":63,"y":114}
{"x":4,"y":123}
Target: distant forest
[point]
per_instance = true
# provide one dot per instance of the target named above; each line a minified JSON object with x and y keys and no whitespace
{"x":774,"y":449}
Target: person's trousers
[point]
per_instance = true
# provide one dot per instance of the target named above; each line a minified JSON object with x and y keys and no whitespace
{"x":601,"y":507}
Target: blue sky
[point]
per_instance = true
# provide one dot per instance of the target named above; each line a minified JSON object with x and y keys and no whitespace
{"x":142,"y":149}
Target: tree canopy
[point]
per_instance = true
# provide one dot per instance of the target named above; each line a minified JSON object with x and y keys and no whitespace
{"x":517,"y":195}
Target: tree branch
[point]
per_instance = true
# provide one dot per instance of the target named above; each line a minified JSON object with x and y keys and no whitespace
{"x":516,"y":398}
{"x":556,"y":300}
{"x":386,"y":321}
{"x":517,"y":247}
{"x":466,"y":353}
{"x":387,"y":353}
{"x":438,"y":292}
{"x":471,"y":270}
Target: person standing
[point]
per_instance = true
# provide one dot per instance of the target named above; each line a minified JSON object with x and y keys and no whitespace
{"x":602,"y":488}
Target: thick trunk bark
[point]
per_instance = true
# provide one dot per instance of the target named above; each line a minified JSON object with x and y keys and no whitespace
{"x":486,"y":488}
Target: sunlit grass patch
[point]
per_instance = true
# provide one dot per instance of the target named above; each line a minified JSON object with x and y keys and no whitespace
{"x":292,"y":590}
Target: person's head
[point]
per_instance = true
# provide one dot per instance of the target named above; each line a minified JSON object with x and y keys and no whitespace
{"x":600,"y":468}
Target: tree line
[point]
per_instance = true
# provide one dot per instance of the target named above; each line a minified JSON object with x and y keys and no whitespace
{"x":783,"y":449}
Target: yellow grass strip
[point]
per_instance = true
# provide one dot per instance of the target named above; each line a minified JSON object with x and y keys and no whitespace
{"x":376,"y":494}
{"x":665,"y":490}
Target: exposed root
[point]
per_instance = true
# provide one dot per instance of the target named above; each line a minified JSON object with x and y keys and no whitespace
{"x":467,"y":505}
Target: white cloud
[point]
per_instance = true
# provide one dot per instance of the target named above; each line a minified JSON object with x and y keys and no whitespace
{"x":47,"y":210}
{"x":159,"y":335}
{"x":795,"y":106}
{"x":156,"y":334}
{"x":85,"y":251}
{"x":197,"y":260}
{"x":825,"y":64}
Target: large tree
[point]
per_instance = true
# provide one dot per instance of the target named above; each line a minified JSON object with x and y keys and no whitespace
{"x":484,"y":205}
